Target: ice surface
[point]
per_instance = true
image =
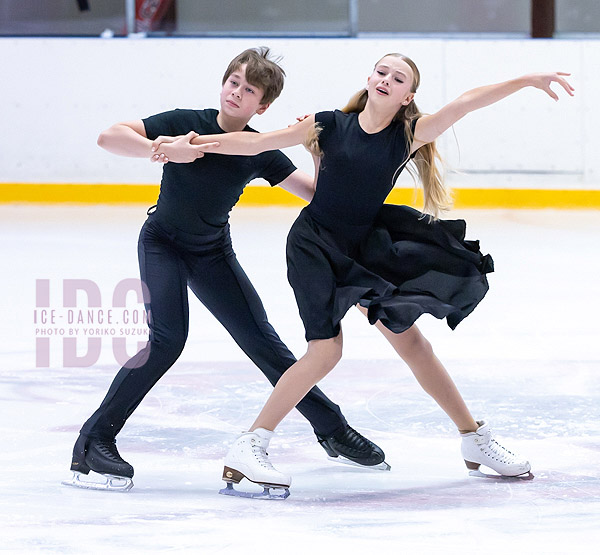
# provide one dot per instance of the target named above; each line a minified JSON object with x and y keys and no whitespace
{"x":528,"y":360}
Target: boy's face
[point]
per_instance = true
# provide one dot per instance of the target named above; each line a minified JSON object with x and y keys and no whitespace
{"x":240,"y":99}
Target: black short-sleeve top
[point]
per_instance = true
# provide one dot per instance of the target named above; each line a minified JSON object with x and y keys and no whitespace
{"x":197,"y":197}
{"x":358,"y":169}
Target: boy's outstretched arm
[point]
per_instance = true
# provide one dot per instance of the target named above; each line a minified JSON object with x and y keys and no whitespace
{"x":126,"y":139}
{"x":430,"y":127}
{"x":129,"y":139}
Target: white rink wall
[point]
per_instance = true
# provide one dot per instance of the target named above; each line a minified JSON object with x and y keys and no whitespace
{"x":58,"y":94}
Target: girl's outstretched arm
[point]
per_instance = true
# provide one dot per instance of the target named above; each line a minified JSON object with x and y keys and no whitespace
{"x":237,"y":143}
{"x":432,"y":126}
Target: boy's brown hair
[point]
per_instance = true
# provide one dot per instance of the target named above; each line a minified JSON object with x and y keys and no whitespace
{"x":261,"y":71}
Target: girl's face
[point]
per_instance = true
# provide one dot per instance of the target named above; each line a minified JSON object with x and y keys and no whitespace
{"x":391,"y":83}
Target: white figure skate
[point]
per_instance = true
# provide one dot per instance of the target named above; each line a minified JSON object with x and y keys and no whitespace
{"x":248,"y":459}
{"x":481,"y":448}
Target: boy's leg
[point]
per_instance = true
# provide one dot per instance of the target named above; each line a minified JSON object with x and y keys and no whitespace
{"x":164,"y":275}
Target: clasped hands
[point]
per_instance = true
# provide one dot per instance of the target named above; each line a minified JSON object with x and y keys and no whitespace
{"x":179,"y":149}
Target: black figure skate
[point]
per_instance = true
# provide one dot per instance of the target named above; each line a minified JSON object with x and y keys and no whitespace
{"x":349,"y":447}
{"x":109,"y":470}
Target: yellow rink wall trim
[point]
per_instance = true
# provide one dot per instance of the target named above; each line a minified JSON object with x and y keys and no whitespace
{"x":57,"y":193}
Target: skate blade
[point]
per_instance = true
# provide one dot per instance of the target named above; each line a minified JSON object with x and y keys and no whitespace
{"x":270,"y":492}
{"x":105,"y":482}
{"x":479,"y":474}
{"x":381,"y":466}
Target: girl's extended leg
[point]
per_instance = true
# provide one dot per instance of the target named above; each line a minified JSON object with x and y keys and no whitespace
{"x":247,"y":457}
{"x":418,"y":354}
{"x":478,"y":444}
{"x":320,"y":358}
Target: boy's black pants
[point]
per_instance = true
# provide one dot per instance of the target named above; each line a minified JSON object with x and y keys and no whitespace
{"x":170,"y":261}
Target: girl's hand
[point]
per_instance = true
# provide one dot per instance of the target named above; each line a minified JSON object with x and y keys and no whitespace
{"x":299,"y":119}
{"x":543,"y":81}
{"x":163,"y":143}
{"x":178,"y":149}
{"x":169,"y":139}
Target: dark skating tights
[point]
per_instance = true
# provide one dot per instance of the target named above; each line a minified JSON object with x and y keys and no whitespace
{"x":170,"y":261}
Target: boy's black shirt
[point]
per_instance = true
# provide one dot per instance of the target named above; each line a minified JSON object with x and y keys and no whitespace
{"x":197,"y":197}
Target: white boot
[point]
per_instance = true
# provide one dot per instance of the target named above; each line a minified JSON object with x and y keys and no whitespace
{"x":480,"y":447}
{"x":248,"y":459}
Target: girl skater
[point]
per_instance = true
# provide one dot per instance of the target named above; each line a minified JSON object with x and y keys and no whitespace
{"x":347,"y":248}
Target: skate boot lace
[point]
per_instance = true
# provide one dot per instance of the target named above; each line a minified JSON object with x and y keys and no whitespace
{"x":109,"y":450}
{"x":355,"y":441}
{"x":499,"y":453}
{"x":260,"y":454}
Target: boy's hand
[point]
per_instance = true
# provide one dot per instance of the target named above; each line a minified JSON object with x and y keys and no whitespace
{"x":543,"y":81}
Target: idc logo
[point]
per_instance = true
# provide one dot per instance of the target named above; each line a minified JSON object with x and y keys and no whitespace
{"x":79,"y":325}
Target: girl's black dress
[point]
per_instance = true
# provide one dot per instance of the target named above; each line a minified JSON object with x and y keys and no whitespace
{"x":347,"y":247}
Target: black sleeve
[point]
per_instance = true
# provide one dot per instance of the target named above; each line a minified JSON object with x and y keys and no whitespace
{"x":326,"y":121}
{"x":172,"y":123}
{"x":276,"y":167}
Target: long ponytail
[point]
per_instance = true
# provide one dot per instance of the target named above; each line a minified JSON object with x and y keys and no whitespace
{"x":426,"y":166}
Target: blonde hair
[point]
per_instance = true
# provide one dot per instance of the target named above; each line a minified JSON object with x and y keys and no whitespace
{"x":426,"y":161}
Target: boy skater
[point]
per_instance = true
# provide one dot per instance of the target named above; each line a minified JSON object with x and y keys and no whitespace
{"x":185,"y":242}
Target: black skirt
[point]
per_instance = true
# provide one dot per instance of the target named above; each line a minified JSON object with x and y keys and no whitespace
{"x":399,"y":267}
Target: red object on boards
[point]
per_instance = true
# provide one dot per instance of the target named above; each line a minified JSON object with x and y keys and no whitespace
{"x":150,"y":13}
